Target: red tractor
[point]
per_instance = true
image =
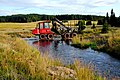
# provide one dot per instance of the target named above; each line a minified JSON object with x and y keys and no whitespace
{"x":43,"y":30}
{"x":59,"y":31}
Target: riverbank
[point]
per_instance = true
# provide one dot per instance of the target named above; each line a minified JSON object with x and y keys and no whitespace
{"x":109,"y":42}
{"x":20,"y":61}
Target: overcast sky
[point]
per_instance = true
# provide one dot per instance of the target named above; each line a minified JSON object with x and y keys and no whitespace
{"x":85,"y":7}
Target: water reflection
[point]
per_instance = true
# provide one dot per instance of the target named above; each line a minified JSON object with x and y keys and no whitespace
{"x":56,"y":44}
{"x":41,"y":43}
{"x":47,"y":43}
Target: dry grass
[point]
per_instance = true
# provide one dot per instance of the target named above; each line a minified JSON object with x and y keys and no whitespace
{"x":16,"y":27}
{"x":85,"y":72}
{"x":20,"y":61}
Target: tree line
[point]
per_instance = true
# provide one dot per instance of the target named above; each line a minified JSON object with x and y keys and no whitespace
{"x":21,"y":18}
{"x":112,"y":19}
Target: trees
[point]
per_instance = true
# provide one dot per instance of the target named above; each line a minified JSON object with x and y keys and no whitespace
{"x":118,"y":22}
{"x":38,"y":17}
{"x":112,"y":19}
{"x":107,"y":18}
{"x":106,"y":22}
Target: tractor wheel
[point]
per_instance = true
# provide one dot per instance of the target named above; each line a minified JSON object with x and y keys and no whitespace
{"x":42,"y":36}
{"x":73,"y":35}
{"x":50,"y":36}
{"x":67,"y":36}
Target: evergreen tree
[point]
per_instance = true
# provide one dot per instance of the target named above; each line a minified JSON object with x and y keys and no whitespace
{"x":81,"y":25}
{"x":107,"y":18}
{"x":105,"y":27}
{"x":112,"y":19}
{"x":118,"y":22}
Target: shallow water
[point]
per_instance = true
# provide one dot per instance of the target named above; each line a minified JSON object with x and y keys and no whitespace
{"x":103,"y":63}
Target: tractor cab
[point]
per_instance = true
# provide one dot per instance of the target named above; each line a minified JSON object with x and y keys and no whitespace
{"x":42,"y":28}
{"x":42,"y":25}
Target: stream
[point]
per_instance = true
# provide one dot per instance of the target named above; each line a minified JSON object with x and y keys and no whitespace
{"x":104,"y":64}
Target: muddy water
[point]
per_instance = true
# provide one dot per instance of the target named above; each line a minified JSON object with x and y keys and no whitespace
{"x":103,"y":63}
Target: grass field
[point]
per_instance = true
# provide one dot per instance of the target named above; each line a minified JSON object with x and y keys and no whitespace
{"x":16,"y":27}
{"x":19,"y":61}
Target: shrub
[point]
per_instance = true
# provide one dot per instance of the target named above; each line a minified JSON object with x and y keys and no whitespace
{"x":88,"y":23}
{"x":93,"y":27}
{"x":81,"y":25}
{"x":105,"y":28}
{"x":100,"y":22}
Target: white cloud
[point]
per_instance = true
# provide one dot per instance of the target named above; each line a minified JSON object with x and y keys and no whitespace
{"x":60,"y":6}
{"x":104,"y":3}
{"x":58,"y":3}
{"x":7,"y":12}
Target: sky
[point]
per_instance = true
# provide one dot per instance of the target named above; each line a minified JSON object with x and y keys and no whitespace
{"x":57,"y":7}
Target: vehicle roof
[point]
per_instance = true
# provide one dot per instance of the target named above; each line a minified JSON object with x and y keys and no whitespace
{"x":45,"y":21}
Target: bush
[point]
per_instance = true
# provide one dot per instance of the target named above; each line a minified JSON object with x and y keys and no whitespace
{"x":100,"y":22}
{"x":93,"y":27}
{"x":105,"y":28}
{"x":81,"y":26}
{"x":88,"y":23}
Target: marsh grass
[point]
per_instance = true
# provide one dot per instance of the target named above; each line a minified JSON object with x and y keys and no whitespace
{"x":107,"y":42}
{"x":85,"y":72}
{"x":19,"y":61}
{"x":80,"y":42}
{"x":113,"y":44}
